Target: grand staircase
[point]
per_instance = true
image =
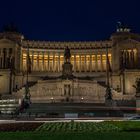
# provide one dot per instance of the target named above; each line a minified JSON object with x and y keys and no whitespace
{"x":58,"y":110}
{"x":48,"y":107}
{"x":50,"y":91}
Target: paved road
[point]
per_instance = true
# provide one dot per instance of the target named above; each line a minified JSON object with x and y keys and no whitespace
{"x":62,"y":120}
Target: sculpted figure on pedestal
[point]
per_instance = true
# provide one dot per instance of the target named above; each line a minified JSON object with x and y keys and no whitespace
{"x":67,"y":54}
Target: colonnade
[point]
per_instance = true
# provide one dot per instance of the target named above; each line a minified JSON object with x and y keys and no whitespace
{"x":129,"y":58}
{"x":6,"y":58}
{"x":52,"y":62}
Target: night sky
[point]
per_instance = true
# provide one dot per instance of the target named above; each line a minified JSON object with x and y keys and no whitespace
{"x":70,"y":20}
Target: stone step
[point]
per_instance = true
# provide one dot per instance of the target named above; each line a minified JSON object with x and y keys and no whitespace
{"x":9,"y":106}
{"x":60,"y":107}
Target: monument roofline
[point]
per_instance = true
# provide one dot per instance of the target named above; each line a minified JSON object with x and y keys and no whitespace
{"x":120,"y":36}
{"x":62,"y":45}
{"x":13,"y":36}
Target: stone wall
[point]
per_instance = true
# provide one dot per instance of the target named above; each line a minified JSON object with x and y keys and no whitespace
{"x":65,"y":91}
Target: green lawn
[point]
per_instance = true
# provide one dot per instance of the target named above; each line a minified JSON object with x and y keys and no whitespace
{"x":126,"y":125}
{"x":125,"y":130}
{"x":69,"y":136}
{"x":107,"y":126}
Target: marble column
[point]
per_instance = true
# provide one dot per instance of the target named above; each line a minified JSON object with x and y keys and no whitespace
{"x":38,"y":68}
{"x":102,"y":68}
{"x":48,"y":62}
{"x":85,"y":67}
{"x":123,"y":59}
{"x":90,"y":63}
{"x":32,"y":62}
{"x":80,"y":62}
{"x":54,"y":68}
{"x":58,"y":62}
{"x":137,"y":58}
{"x":132,"y":60}
{"x":129,"y":56}
{"x":7,"y":58}
{"x":43,"y":61}
{"x":0,"y":59}
{"x":96,"y":63}
{"x":74,"y":63}
{"x":4,"y":58}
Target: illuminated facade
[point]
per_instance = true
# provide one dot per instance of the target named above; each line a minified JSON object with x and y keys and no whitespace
{"x":89,"y":60}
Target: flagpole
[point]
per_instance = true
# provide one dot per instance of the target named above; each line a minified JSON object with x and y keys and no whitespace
{"x":108,"y":90}
{"x":27,"y":65}
{"x":27,"y":92}
{"x":107,"y":69}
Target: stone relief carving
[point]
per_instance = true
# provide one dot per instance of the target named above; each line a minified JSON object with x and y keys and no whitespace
{"x":90,"y":91}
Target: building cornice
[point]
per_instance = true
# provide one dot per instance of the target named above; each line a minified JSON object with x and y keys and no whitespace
{"x":62,"y":45}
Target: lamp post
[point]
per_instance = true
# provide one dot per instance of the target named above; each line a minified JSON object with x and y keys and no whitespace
{"x":12,"y":73}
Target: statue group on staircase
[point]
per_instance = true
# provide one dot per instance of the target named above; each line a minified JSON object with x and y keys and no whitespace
{"x":137,"y":86}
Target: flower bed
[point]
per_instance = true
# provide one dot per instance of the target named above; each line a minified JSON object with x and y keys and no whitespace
{"x":78,"y":127}
{"x":13,"y":127}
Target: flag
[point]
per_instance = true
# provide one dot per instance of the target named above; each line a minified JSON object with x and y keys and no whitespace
{"x":119,"y":23}
{"x":28,"y":62}
{"x":108,"y":63}
{"x":12,"y":64}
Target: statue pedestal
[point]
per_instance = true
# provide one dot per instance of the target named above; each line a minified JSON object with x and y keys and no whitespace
{"x":138,"y":103}
{"x":109,"y":102}
{"x":67,"y":70}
